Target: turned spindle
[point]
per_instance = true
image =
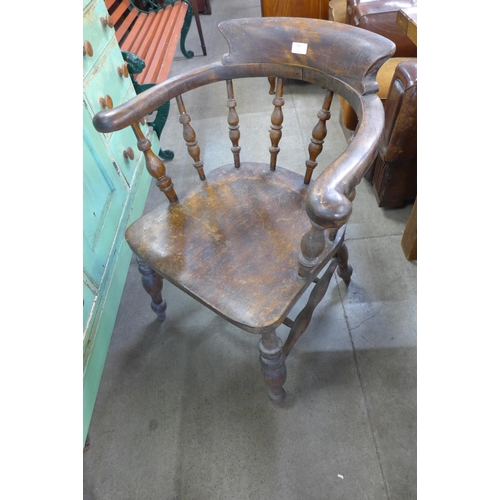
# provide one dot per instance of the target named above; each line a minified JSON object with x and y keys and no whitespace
{"x":154,"y":165}
{"x":233,"y":122}
{"x":333,"y":232}
{"x":318,"y":136}
{"x":344,"y":270}
{"x":298,"y":327}
{"x":276,"y":121}
{"x":190,"y":137}
{"x":311,"y":247}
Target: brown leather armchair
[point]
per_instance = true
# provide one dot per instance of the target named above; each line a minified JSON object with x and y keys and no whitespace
{"x":379,"y":16}
{"x":394,"y":171}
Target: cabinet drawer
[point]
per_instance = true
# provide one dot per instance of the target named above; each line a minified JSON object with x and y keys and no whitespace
{"x":95,"y":33}
{"x":122,"y":140}
{"x":104,"y":80}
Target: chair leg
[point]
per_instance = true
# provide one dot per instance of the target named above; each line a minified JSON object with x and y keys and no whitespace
{"x":272,"y":361}
{"x":344,"y":270}
{"x":153,"y":284}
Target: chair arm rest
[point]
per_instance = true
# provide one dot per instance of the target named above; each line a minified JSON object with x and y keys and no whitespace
{"x":328,"y":202}
{"x":399,"y":139}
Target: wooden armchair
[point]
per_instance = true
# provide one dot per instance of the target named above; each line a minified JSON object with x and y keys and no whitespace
{"x":250,"y":238}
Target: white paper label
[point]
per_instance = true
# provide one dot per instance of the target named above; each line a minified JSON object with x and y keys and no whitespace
{"x":299,"y":48}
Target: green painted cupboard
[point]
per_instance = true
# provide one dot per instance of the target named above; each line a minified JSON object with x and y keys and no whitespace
{"x":115,"y":187}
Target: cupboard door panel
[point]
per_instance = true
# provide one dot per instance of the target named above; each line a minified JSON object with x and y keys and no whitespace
{"x":114,"y":194}
{"x":89,"y":297}
{"x":104,"y":195}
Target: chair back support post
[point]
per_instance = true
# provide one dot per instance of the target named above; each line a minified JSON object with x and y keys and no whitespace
{"x":276,"y":124}
{"x":233,"y":123}
{"x":318,"y":137}
{"x":190,"y":137}
{"x":154,"y":165}
{"x":311,"y":247}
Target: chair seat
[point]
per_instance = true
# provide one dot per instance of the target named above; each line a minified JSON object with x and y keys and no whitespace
{"x":232,"y":243}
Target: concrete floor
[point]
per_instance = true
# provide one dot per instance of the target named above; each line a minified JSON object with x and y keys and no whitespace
{"x":182,"y":412}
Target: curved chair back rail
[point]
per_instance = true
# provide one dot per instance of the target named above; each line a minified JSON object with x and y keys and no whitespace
{"x":338,"y":57}
{"x":262,"y":46}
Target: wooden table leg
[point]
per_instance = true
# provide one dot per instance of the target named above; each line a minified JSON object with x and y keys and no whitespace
{"x":409,"y":240}
{"x":196,"y":14}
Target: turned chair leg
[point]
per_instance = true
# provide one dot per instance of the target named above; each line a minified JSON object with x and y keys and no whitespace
{"x":153,"y":284}
{"x":344,"y":270}
{"x":272,"y":361}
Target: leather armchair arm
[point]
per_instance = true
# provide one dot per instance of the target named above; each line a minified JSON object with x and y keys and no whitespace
{"x":399,"y":139}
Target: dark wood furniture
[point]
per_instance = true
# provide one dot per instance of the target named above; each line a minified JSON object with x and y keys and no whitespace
{"x":407,"y":20}
{"x":316,"y":9}
{"x":204,"y":7}
{"x":250,"y":238}
{"x":148,"y":33}
{"x":409,"y":239}
{"x":380,"y":16}
{"x":394,"y":171}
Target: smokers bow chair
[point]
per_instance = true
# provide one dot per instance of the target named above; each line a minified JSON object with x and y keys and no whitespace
{"x":249,"y":238}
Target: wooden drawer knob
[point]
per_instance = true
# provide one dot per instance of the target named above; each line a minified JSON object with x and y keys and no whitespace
{"x":106,"y":102}
{"x":123,"y":71}
{"x":87,"y":49}
{"x":128,"y":153}
{"x":107,"y":21}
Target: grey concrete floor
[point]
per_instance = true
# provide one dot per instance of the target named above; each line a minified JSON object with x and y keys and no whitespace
{"x":182,"y":412}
